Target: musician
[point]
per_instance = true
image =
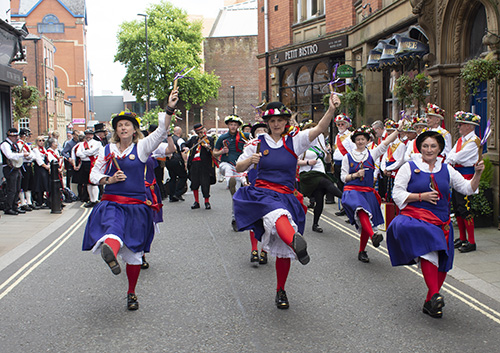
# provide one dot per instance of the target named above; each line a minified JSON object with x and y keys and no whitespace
{"x":88,"y":152}
{"x":435,"y":118}
{"x":100,"y":133}
{"x":463,"y":157}
{"x":229,"y":147}
{"x":201,"y":165}
{"x":12,"y":160}
{"x":27,"y":181}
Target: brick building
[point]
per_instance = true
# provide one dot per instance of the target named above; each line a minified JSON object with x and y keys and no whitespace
{"x":63,"y":22}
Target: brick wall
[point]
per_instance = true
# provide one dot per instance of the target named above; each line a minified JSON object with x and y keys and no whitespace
{"x":340,"y":14}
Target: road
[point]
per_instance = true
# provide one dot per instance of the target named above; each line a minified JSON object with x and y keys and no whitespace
{"x":201,"y":294}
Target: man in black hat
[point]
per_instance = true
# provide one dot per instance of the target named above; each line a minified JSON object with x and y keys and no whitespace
{"x":100,"y":133}
{"x":201,"y":165}
{"x":12,"y":159}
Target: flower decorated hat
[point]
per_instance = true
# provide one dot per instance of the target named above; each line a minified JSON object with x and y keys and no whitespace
{"x":364,"y":130}
{"x":343,"y":117}
{"x":125,"y":115}
{"x":467,"y":118}
{"x":390,"y":124}
{"x":420,"y":122}
{"x":234,"y":119}
{"x":434,"y":110}
{"x":276,"y":109}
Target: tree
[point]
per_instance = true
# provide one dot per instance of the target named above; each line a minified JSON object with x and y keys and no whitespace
{"x":174,"y":43}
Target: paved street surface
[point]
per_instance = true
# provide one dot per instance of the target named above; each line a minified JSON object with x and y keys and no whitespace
{"x":201,"y":294}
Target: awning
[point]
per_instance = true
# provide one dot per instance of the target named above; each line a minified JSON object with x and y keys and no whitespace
{"x":410,"y":48}
{"x":387,"y":59}
{"x":374,"y":55}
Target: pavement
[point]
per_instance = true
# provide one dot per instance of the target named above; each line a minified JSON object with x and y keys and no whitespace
{"x":479,"y":269}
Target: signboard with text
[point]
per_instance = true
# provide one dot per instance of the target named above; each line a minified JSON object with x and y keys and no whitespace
{"x":345,"y":71}
{"x":308,"y":50}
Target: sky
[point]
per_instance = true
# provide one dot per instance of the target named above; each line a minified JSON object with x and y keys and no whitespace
{"x":104,"y":18}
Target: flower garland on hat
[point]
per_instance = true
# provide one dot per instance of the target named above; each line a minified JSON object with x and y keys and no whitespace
{"x":343,"y":117}
{"x":433,"y":109}
{"x":390,"y":124}
{"x":233,"y":118}
{"x":281,"y":111}
{"x":467,"y":118}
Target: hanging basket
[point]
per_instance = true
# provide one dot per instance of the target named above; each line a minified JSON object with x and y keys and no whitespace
{"x":25,"y":93}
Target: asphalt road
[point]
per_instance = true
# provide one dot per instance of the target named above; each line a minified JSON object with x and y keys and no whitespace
{"x":201,"y":294}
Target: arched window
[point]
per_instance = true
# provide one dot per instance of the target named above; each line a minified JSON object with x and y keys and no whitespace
{"x":50,"y":24}
{"x":321,"y":78}
{"x":288,"y":89}
{"x":479,"y":27}
{"x":303,"y":90}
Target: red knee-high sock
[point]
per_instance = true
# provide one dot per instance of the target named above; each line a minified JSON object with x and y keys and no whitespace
{"x":366,"y":229}
{"x":282,"y":269}
{"x":441,"y":278}
{"x":430,"y":273}
{"x":196,"y":196}
{"x":461,"y":228}
{"x":285,"y":229}
{"x":132,"y":276}
{"x":253,"y":241}
{"x":114,"y":245}
{"x":469,"y":225}
{"x":207,"y":199}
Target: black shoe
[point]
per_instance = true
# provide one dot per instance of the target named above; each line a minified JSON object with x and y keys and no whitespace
{"x":11,"y":212}
{"x":377,"y":239}
{"x":281,"y":300}
{"x":109,"y":257}
{"x":457,"y":243}
{"x":194,"y":205}
{"x":363,"y":257}
{"x":173,"y":199}
{"x":263,"y":258}
{"x":434,"y":307}
{"x":428,"y":310}
{"x":311,"y":205}
{"x":299,"y":245}
{"x":233,"y":224}
{"x":34,"y":207}
{"x":317,"y":228}
{"x":180,"y":198}
{"x":254,"y":257}
{"x":26,"y":208}
{"x":329,"y":202}
{"x":145,"y":264}
{"x":207,"y":205}
{"x":340,"y":213}
{"x":132,"y":303}
{"x":45,"y":206}
{"x":467,"y":247}
{"x":90,"y":204}
{"x":21,"y":211}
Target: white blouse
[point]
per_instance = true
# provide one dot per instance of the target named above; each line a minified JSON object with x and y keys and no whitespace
{"x":361,"y":157}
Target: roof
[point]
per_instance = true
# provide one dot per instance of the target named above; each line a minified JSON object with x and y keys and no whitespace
{"x":236,"y":20}
{"x":74,"y":7}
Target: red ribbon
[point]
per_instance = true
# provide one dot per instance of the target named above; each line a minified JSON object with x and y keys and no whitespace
{"x":363,"y":189}
{"x":153,"y":194}
{"x":128,"y":201}
{"x":429,"y":217}
{"x":282,"y":189}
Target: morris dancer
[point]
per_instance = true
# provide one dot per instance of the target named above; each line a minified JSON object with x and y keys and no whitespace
{"x":422,"y":233}
{"x":272,"y":208}
{"x":88,"y":152}
{"x":435,"y":118}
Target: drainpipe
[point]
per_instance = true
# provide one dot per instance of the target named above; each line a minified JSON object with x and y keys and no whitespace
{"x":266,"y":44}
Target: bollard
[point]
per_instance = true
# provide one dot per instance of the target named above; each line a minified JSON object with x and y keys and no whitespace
{"x":55,"y":188}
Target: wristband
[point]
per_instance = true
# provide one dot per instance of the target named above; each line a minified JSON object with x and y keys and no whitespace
{"x":169,"y":110}
{"x":420,"y":196}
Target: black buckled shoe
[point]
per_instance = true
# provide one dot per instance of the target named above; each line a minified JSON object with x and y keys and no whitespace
{"x":299,"y":245}
{"x":207,"y":206}
{"x":377,"y":239}
{"x":457,"y":243}
{"x":233,"y":224}
{"x":26,"y":208}
{"x":255,"y":256}
{"x":317,"y":228}
{"x":467,"y":247}
{"x":363,"y":257}
{"x":263,"y":258}
{"x":281,"y":300}
{"x":132,"y":303}
{"x":434,"y":307}
{"x":145,"y":264}
{"x":11,"y":212}
{"x":109,"y":257}
{"x":195,"y":205}
{"x":340,"y":213}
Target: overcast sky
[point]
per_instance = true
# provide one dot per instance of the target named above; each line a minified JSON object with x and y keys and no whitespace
{"x":104,"y":18}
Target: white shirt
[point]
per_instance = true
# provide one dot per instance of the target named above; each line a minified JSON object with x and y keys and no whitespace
{"x":361,"y":157}
{"x":85,"y":154}
{"x":309,"y":155}
{"x":468,"y":154}
{"x":347,"y":143}
{"x":24,"y":147}
{"x":398,"y":155}
{"x":400,"y":193}
{"x":6,"y":148}
{"x":39,"y":157}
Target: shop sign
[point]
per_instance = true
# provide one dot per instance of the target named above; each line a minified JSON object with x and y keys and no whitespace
{"x":79,"y":121}
{"x":308,"y":50}
{"x":345,"y":71}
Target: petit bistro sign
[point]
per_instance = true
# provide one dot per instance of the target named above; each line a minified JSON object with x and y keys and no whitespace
{"x":311,"y":49}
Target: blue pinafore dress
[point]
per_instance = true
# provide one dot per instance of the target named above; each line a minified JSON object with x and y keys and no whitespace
{"x":152,"y":188}
{"x":409,"y":238}
{"x":353,"y":200}
{"x":132,"y":223}
{"x":252,"y":203}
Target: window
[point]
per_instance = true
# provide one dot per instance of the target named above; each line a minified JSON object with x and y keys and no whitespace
{"x":307,"y":9}
{"x":24,"y":123}
{"x":50,"y":24}
{"x":288,"y":88}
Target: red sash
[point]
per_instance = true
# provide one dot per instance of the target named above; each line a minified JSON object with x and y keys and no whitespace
{"x":429,"y":217}
{"x":92,"y":158}
{"x":129,"y":201}
{"x":282,"y":189}
{"x":364,"y":189}
{"x":340,"y":146}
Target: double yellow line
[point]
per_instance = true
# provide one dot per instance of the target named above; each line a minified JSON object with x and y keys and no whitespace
{"x":455,"y":292}
{"x":30,"y":266}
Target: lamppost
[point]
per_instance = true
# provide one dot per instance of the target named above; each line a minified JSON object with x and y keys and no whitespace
{"x":147,"y":56}
{"x":232,"y":87}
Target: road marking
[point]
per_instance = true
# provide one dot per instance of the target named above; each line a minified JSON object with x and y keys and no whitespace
{"x":455,"y":292}
{"x":56,"y":244}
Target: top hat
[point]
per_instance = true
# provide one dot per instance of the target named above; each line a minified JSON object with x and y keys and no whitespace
{"x":197,"y":127}
{"x":99,"y":127}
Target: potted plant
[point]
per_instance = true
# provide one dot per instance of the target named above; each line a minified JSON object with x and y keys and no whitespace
{"x":476,"y":71}
{"x":409,"y":89}
{"x":24,"y":98}
{"x":482,"y":203}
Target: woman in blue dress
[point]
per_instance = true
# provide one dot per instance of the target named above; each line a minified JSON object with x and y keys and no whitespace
{"x":271,"y":207}
{"x":422,"y":232}
{"x":122,"y":223}
{"x":360,"y":200}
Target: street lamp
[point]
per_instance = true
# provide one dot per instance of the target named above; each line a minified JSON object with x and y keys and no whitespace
{"x":147,"y":56}
{"x":233,"y":100}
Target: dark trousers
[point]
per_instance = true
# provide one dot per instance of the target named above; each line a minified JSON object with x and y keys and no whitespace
{"x":382,"y":185}
{"x":13,"y":179}
{"x":337,"y":168}
{"x":159,"y":173}
{"x":461,"y":205}
{"x":200,"y":177}
{"x":178,"y":176}
{"x":325,"y":186}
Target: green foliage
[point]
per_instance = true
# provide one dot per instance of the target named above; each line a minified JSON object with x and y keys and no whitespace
{"x":353,"y":101}
{"x":476,"y":71}
{"x":480,"y":204}
{"x":25,"y":97}
{"x":174,"y":43}
{"x":151,"y":117}
{"x":407,"y":89}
